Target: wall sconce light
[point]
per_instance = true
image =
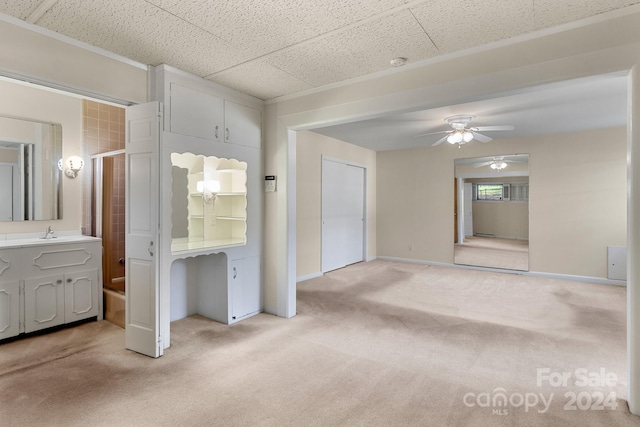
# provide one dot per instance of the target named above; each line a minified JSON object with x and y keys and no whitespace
{"x":209,"y":190}
{"x":74,"y":164}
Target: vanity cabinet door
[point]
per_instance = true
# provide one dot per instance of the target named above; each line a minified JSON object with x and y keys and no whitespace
{"x":43,"y":302}
{"x":9,"y":309}
{"x":80,"y":295}
{"x":245,"y":287}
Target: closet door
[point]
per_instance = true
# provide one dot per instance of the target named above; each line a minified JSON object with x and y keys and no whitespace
{"x":343,"y":189}
{"x":142,"y":332}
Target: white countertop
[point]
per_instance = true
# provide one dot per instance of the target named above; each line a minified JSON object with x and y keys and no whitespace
{"x":19,"y":241}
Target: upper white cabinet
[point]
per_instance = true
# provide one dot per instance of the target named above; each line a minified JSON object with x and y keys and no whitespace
{"x":242,"y":125}
{"x":200,"y":114}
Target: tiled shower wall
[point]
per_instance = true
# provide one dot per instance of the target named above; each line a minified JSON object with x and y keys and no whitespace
{"x":103,"y":131}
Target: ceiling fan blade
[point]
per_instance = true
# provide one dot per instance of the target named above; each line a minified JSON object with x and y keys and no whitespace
{"x":479,"y":165}
{"x":440,"y":141}
{"x":480,"y":137}
{"x":431,"y":133}
{"x":492,"y":128}
{"x":515,"y":161}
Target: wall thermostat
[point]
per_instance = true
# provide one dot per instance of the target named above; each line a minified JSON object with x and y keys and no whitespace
{"x":270,"y":183}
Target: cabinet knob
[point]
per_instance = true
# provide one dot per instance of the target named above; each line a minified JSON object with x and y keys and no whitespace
{"x":228,"y":134}
{"x":69,"y":280}
{"x":216,"y":132}
{"x":235,"y":272}
{"x":59,"y":281}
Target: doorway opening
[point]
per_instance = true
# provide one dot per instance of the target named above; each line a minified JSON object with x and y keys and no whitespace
{"x":492,"y":212}
{"x":108,"y":213}
{"x":104,"y":196}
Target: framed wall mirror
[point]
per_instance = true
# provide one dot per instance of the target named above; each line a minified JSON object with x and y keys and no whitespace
{"x":492,"y":212}
{"x":30,"y":180}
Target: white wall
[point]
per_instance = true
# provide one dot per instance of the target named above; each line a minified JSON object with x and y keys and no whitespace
{"x":508,"y":220}
{"x":577,"y":200}
{"x":310,"y":148}
{"x":30,"y":103}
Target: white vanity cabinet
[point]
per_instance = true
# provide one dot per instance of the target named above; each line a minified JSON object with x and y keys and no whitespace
{"x":49,"y":283}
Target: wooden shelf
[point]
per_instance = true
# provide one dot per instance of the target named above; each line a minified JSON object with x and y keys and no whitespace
{"x":232,"y":218}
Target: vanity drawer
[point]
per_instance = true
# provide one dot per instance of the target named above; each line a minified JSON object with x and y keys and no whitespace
{"x":53,"y":259}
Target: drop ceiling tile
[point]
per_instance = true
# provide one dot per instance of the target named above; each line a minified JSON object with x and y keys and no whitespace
{"x":260,"y":79}
{"x":460,"y":24}
{"x":264,"y":26}
{"x":555,"y":12}
{"x":19,"y":9}
{"x":140,"y":31}
{"x":357,"y":51}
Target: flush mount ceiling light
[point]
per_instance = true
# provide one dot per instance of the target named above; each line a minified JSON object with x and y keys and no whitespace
{"x":398,"y":61}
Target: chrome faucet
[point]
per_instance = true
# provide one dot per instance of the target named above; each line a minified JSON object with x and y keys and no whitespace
{"x":48,"y":232}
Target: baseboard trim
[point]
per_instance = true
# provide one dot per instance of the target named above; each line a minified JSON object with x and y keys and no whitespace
{"x":308,"y":276}
{"x":571,"y":277}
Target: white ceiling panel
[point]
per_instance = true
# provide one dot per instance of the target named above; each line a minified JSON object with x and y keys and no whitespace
{"x":460,"y":24}
{"x":263,"y":26}
{"x":362,"y":50}
{"x":19,"y":9}
{"x":140,"y":31}
{"x":261,"y":80}
{"x":555,"y":12}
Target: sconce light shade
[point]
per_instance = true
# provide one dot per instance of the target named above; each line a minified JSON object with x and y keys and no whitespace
{"x":74,"y":165}
{"x":209,"y":189}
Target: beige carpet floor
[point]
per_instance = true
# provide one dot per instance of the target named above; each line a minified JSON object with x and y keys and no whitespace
{"x":374,"y":344}
{"x":493,"y":252}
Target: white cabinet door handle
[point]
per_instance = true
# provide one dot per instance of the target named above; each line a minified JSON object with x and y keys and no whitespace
{"x":228,"y":134}
{"x":150,"y":249}
{"x":235,"y":272}
{"x":216,"y":132}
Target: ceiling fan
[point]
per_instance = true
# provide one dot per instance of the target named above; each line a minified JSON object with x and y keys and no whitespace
{"x":461,"y":132}
{"x":497,"y":163}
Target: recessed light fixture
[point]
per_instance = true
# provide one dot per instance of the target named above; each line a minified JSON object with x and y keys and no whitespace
{"x":398,"y":61}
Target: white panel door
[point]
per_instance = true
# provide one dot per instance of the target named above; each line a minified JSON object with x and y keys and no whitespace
{"x":142,"y":332}
{"x":343,"y":189}
{"x":467,"y":206}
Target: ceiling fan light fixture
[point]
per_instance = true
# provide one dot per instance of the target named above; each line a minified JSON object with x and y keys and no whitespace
{"x":455,"y":138}
{"x":499,"y":165}
{"x":467,"y":136}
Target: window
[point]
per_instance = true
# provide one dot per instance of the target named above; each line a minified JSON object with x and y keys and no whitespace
{"x":515,"y":192}
{"x":489,"y":192}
